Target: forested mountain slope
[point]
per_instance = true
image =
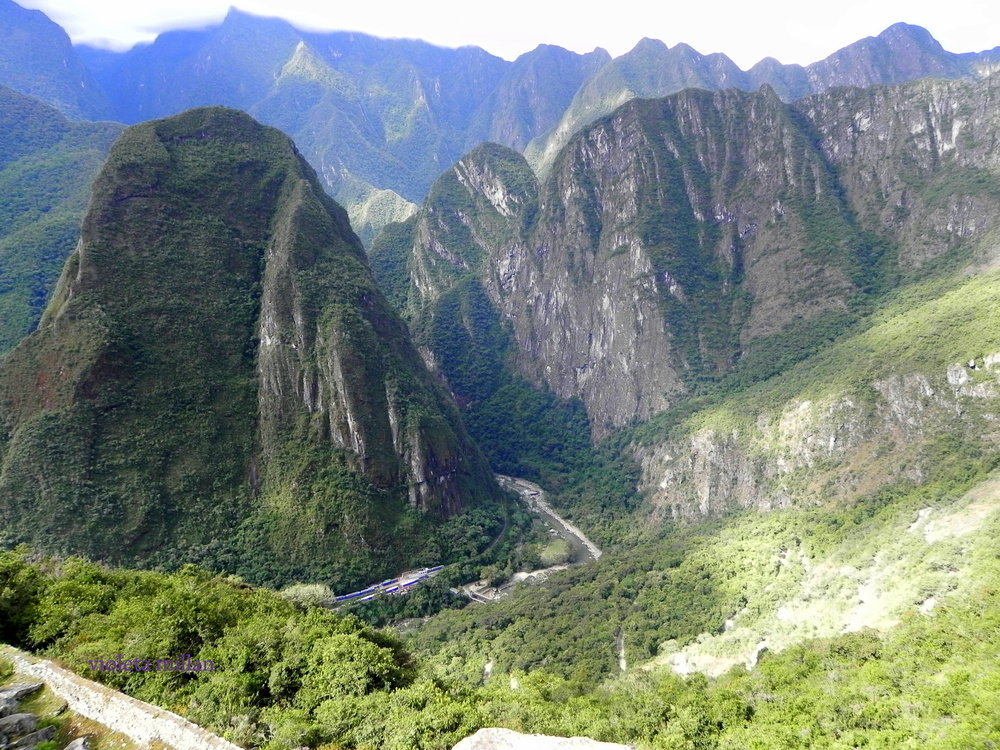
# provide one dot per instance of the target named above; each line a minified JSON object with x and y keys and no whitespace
{"x":370,"y":114}
{"x":380,"y":119}
{"x":38,"y":59}
{"x":860,"y":413}
{"x":46,"y":166}
{"x":217,"y":376}
{"x":707,"y":306}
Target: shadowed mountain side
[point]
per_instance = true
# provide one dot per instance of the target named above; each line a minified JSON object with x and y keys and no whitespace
{"x":46,"y":166}
{"x":38,"y":59}
{"x":707,"y":239}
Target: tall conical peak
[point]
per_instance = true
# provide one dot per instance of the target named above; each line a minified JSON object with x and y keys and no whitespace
{"x":218,"y":348}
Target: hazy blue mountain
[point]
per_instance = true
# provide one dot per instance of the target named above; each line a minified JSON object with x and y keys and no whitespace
{"x":373,"y":115}
{"x":381,"y":119}
{"x":392,"y":113}
{"x":233,"y":65}
{"x":900,"y":53}
{"x":532,"y":95}
{"x":38,"y":59}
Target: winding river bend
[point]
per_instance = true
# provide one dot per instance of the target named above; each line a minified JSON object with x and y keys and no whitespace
{"x":534,"y":497}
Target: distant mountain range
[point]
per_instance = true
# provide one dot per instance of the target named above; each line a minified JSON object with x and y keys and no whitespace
{"x":46,"y":165}
{"x":375,"y":115}
{"x":380,"y":119}
{"x":599,"y":242}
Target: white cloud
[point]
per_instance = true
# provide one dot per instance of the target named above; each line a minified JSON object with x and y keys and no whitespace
{"x":789,"y":30}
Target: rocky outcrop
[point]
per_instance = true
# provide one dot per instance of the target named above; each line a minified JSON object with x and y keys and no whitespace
{"x":683,"y":239}
{"x":667,"y":239}
{"x":19,"y":731}
{"x":815,"y":450}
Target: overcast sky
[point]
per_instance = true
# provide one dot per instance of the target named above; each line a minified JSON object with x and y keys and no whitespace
{"x":790,"y":30}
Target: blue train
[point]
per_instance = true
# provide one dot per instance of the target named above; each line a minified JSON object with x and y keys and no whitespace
{"x":388,"y":586}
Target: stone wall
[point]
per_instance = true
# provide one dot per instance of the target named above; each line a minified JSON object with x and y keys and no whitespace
{"x":139,"y":721}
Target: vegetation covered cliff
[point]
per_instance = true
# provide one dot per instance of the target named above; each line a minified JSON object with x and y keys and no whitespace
{"x":218,"y":376}
{"x":710,"y":240}
{"x":380,"y":119}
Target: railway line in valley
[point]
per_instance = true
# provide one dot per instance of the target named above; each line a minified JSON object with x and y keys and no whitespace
{"x":399,"y":585}
{"x":533,"y":496}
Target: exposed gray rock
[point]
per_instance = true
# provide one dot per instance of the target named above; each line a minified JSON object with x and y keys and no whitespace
{"x":8,"y":706}
{"x":30,"y":740}
{"x":80,"y":743}
{"x":17,"y":724}
{"x":506,"y":739}
{"x":674,"y":239}
{"x":816,"y":449}
{"x":20,"y":691}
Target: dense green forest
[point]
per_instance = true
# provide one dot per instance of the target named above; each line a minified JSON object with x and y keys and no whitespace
{"x":46,"y":166}
{"x":289,"y":675}
{"x":232,"y":394}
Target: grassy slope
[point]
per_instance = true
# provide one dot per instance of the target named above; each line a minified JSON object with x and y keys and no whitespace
{"x":794,"y":577}
{"x":843,"y":558}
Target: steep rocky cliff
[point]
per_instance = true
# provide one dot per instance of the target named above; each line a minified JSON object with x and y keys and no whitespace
{"x":896,"y":403}
{"x":915,"y":386}
{"x":918,"y":163}
{"x":668,"y":239}
{"x":712,"y":236}
{"x":217,"y":370}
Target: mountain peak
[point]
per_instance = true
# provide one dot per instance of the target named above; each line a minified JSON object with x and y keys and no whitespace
{"x":240,"y":18}
{"x":905,"y":33}
{"x":219,"y":346}
{"x":648,"y":45}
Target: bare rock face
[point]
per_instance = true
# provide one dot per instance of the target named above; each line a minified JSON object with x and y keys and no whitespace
{"x":16,"y":725}
{"x":681,"y":239}
{"x":917,"y":162}
{"x":29,"y":741}
{"x":811,"y":450}
{"x":668,"y":238}
{"x":506,"y":739}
